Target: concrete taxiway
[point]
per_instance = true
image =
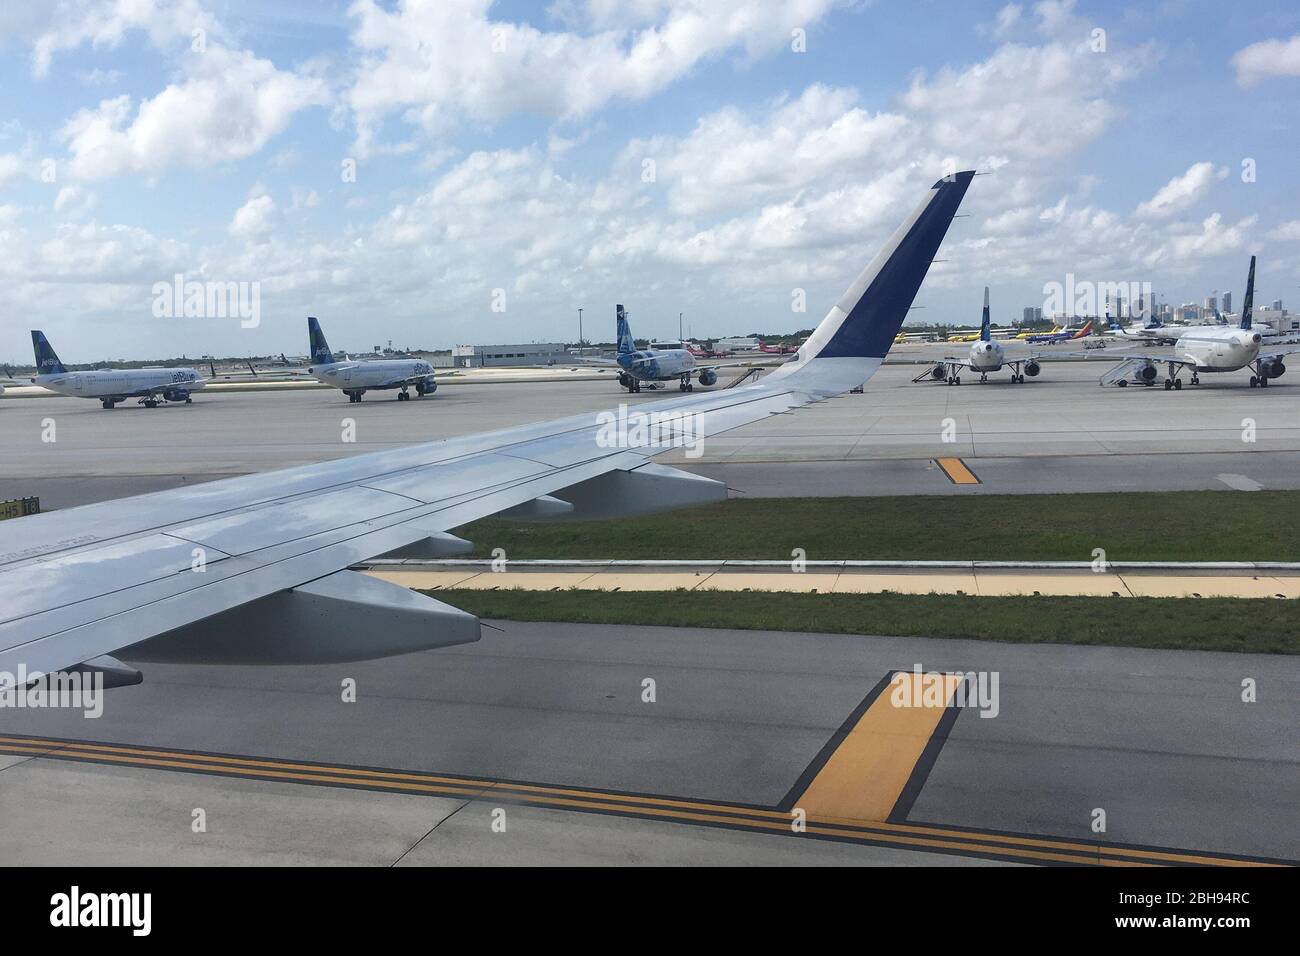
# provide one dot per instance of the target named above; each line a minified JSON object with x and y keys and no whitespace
{"x":550,"y":729}
{"x":1058,"y":433}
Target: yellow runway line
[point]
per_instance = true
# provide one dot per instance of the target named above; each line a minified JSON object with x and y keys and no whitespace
{"x":865,"y":775}
{"x":957,"y":471}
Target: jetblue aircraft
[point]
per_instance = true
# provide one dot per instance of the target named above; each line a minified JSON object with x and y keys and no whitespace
{"x":151,"y":385}
{"x":357,"y":378}
{"x":985,"y":356}
{"x":1209,"y":348}
{"x":654,"y":365}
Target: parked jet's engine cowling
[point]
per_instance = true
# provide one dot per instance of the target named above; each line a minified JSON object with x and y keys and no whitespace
{"x":939,"y":372}
{"x":175,"y":395}
{"x":1273,"y":369}
{"x":1146,"y":373}
{"x":708,"y":377}
{"x":624,"y":379}
{"x":425,"y":388}
{"x":1032,"y":369}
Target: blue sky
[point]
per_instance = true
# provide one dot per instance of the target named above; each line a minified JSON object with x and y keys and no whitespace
{"x":505,"y":146}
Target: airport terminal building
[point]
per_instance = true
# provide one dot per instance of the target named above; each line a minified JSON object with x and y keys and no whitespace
{"x":504,"y":356}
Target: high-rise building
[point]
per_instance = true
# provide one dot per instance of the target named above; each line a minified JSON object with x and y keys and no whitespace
{"x":1277,"y":305}
{"x":1227,"y":302}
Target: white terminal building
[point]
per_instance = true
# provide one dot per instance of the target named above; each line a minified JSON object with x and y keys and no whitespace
{"x":505,"y":356}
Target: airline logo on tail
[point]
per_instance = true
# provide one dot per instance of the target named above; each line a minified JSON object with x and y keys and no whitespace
{"x":626,"y":343}
{"x":47,"y":363}
{"x":320,"y":349}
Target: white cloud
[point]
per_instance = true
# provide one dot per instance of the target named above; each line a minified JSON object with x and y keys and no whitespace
{"x":1182,"y":192}
{"x":1212,"y":239}
{"x":439,"y":63}
{"x":11,"y":167}
{"x":1267,"y":59}
{"x":226,"y":108}
{"x":1287,"y":232}
{"x":253,"y":217}
{"x":57,"y":27}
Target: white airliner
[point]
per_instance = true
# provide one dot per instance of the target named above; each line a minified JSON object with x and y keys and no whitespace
{"x":357,"y":378}
{"x":985,"y":356}
{"x":79,"y":585}
{"x":1208,"y":348}
{"x":651,"y":366}
{"x":150,"y":385}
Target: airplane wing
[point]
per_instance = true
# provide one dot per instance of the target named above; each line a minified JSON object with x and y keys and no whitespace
{"x":196,"y":383}
{"x":255,"y":569}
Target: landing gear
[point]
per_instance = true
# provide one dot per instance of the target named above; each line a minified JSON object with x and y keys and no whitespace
{"x":149,"y":402}
{"x":983,"y":378}
{"x":954,"y":380}
{"x":1174,"y":383}
{"x":685,"y":384}
{"x":634,"y":387}
{"x":1196,"y":379}
{"x":403,"y":396}
{"x":354,"y":396}
{"x":109,"y":403}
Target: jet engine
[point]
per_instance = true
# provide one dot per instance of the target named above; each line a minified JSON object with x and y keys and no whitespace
{"x":624,"y":379}
{"x":939,"y":372}
{"x":1145,"y":373}
{"x":1273,"y":369}
{"x":425,"y":387}
{"x":708,"y":377}
{"x":1032,"y":368}
{"x":176,"y":395}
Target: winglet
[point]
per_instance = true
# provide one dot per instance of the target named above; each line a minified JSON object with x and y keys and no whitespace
{"x":865,"y":321}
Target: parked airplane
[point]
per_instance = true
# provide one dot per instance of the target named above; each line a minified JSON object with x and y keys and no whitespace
{"x":357,"y":378}
{"x":781,"y":348}
{"x":639,"y":367}
{"x":150,"y":385}
{"x":81,"y":585}
{"x":1068,"y":335}
{"x":985,"y":356}
{"x":1208,"y":348}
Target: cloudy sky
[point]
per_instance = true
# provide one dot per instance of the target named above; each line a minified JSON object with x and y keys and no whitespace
{"x":400,"y":168}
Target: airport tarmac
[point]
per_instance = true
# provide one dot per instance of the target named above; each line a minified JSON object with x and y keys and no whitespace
{"x":1058,"y":433}
{"x":547,"y":728}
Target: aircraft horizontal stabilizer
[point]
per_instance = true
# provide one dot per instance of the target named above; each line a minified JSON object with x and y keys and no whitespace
{"x":346,"y":616}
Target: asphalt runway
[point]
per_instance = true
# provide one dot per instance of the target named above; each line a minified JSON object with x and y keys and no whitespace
{"x":546,"y":727}
{"x":1058,"y":433}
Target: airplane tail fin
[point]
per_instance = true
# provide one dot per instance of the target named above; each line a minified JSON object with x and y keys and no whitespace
{"x":1247,"y":307}
{"x":623,"y":331}
{"x":1085,"y":331}
{"x":320,"y":349}
{"x":47,"y":362}
{"x":984,"y":318}
{"x":860,"y":328}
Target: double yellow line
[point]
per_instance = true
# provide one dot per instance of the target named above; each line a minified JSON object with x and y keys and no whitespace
{"x":776,"y":820}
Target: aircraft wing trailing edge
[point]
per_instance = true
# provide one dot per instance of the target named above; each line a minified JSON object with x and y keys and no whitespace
{"x":255,"y":569}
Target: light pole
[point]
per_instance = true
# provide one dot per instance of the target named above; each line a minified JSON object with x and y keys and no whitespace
{"x":579,"y":328}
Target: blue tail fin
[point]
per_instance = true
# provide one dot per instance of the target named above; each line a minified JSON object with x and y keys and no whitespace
{"x":984,"y":320}
{"x":626,"y":343}
{"x":320,"y":349}
{"x":47,"y":363}
{"x":1248,"y":306}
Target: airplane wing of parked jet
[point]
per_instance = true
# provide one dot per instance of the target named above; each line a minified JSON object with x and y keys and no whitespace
{"x":255,"y":569}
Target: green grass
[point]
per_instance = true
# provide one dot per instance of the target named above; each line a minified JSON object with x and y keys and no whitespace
{"x":1207,"y":624}
{"x":1158,"y":526}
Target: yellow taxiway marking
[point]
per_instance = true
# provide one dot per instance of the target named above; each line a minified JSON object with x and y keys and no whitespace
{"x":1014,"y":847}
{"x":957,"y":471}
{"x":865,"y":776}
